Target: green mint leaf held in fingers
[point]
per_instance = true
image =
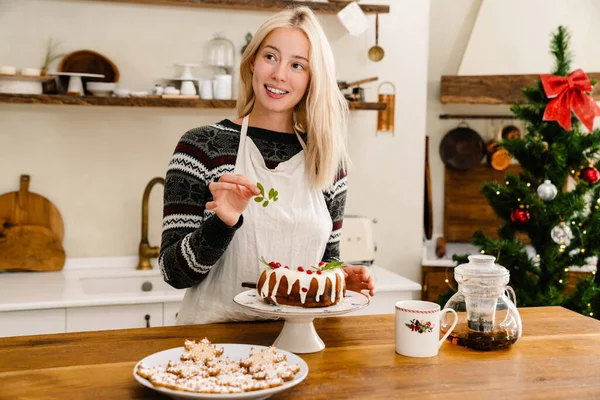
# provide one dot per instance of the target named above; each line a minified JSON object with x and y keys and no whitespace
{"x":271,"y":197}
{"x":261,"y":188}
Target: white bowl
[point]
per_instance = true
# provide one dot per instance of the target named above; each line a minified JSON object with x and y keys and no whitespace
{"x":31,"y":71}
{"x":8,"y":70}
{"x":122,"y":92}
{"x":101,"y":93}
{"x":101,"y":86}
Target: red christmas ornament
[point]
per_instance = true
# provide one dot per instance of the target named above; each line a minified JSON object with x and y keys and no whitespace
{"x":569,"y":93}
{"x":520,"y":216}
{"x":590,"y":175}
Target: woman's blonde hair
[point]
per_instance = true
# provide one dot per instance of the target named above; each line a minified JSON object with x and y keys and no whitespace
{"x":323,"y":111}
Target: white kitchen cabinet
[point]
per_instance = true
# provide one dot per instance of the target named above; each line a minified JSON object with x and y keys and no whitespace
{"x":114,"y":317}
{"x":170,"y":311}
{"x":32,"y":322}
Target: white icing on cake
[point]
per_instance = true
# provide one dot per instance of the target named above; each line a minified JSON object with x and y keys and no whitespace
{"x":305,"y":279}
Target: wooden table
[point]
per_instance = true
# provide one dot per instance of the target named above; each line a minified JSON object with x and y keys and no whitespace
{"x":558,"y":357}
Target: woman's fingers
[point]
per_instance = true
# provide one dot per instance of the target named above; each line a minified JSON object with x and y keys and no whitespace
{"x":216,"y":187}
{"x":360,"y":278}
{"x":222,"y":186}
{"x":240,"y":180}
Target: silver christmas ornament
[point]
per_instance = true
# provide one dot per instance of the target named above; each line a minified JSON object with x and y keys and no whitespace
{"x":547,"y":191}
{"x":562,"y":234}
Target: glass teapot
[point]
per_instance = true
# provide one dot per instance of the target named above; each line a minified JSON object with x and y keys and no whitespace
{"x":219,"y":52}
{"x":486,"y":306}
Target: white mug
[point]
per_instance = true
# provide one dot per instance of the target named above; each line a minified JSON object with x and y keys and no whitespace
{"x":206,"y":89}
{"x":188,"y":88}
{"x":222,"y":87}
{"x":418,"y":328}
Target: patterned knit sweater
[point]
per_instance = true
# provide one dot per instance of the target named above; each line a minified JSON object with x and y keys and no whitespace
{"x":193,"y":238}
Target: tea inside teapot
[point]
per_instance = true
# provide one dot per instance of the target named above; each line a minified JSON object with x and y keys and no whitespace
{"x":487,"y":316}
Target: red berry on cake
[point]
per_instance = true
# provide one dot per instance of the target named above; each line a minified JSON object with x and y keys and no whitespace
{"x":304,"y":289}
{"x":278,"y":265}
{"x":286,"y":267}
{"x":272,"y":264}
{"x":300,"y":269}
{"x":308,"y":271}
{"x":319,"y":272}
{"x":321,"y":264}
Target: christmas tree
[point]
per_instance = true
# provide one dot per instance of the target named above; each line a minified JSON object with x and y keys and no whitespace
{"x":553,"y":203}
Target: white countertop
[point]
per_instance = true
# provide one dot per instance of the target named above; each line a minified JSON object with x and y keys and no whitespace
{"x":431,"y":260}
{"x":66,"y":288}
{"x":80,"y":282}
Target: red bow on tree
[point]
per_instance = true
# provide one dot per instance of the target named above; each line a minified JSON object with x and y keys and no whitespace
{"x":569,"y":93}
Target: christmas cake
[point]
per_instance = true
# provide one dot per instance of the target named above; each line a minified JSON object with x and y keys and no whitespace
{"x":320,"y":286}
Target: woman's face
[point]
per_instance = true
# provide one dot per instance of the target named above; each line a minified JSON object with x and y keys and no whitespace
{"x":280,"y":69}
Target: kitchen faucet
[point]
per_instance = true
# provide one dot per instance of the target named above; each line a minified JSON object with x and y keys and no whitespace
{"x":146,"y":252}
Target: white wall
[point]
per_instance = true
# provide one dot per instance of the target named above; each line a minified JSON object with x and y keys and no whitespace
{"x":513,"y":36}
{"x":94,"y":162}
{"x":500,"y":37}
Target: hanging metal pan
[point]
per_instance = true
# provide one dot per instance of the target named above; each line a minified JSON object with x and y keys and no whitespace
{"x":462,"y":148}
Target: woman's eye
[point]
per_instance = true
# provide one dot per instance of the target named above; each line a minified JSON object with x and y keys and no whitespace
{"x":270,"y":57}
{"x":297,"y":66}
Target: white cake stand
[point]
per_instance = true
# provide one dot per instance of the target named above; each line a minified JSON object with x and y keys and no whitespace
{"x":298,"y":334}
{"x":75,"y":82}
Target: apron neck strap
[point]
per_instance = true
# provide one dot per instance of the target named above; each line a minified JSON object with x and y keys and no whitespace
{"x":245,"y":130}
{"x":301,"y":141}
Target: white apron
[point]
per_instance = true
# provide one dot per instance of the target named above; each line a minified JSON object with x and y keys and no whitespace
{"x":293,"y":231}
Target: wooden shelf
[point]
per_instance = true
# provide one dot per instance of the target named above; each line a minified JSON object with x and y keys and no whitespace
{"x":259,"y":5}
{"x":491,"y":89}
{"x":71,"y":100}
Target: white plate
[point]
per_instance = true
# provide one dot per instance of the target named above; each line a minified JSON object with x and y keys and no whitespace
{"x":77,"y":74}
{"x":351,"y":302}
{"x":233,"y":351}
{"x":193,"y":79}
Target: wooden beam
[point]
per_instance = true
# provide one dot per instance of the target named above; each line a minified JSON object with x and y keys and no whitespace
{"x":70,"y":100}
{"x":491,"y":89}
{"x":259,"y":5}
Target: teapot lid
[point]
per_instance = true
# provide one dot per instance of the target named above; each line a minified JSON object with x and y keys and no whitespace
{"x":481,"y":265}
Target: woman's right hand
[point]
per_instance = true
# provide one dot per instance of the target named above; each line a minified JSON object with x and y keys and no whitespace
{"x":231,"y":195}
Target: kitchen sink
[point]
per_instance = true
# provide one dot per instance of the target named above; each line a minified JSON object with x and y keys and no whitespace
{"x":124,"y":284}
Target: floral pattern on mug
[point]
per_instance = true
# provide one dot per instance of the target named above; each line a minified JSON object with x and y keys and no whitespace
{"x":420,"y":326}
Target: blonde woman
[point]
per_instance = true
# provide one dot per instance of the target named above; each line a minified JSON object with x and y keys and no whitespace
{"x":290,"y":136}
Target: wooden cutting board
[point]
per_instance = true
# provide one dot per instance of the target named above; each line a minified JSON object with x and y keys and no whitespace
{"x":30,"y":248}
{"x":31,"y":231}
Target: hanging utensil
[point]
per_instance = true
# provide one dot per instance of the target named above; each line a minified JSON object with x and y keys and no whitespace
{"x":376,"y":52}
{"x":427,"y":203}
{"x":385,"y":117}
{"x":462,"y":148}
{"x":345,"y":85}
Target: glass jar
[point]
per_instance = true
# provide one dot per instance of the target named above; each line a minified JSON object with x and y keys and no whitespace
{"x":486,"y":306}
{"x":220,"y":52}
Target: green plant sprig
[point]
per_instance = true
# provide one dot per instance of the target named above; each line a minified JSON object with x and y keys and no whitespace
{"x":329,"y":266}
{"x":262,"y":260}
{"x":272,"y":196}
